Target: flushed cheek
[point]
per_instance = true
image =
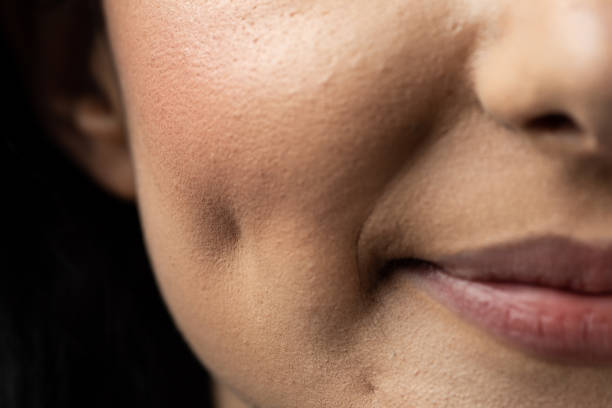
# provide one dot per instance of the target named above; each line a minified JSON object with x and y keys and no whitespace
{"x":268,"y":105}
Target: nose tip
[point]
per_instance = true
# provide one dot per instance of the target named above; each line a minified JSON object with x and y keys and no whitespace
{"x":547,"y":69}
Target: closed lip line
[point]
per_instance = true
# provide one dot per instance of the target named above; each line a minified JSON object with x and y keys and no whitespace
{"x":553,"y":261}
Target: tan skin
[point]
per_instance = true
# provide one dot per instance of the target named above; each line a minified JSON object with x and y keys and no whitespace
{"x":278,"y":148}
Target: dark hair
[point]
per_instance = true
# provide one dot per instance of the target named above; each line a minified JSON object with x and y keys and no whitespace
{"x":82,"y":323}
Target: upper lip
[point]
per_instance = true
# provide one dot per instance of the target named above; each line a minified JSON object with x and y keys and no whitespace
{"x":552,"y":261}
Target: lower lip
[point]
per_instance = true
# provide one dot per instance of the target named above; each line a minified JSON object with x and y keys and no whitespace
{"x":549,"y":323}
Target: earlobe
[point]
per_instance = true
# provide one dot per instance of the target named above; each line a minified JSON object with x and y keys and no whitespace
{"x":96,"y":137}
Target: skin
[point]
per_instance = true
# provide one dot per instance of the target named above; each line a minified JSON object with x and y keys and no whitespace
{"x":283,"y":151}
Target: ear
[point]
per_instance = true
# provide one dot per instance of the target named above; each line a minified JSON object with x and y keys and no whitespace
{"x":90,"y":125}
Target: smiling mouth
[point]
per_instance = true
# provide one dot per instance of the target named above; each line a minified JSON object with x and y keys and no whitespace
{"x":548,"y":296}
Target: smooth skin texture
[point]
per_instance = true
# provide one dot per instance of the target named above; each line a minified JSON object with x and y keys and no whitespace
{"x":283,"y":150}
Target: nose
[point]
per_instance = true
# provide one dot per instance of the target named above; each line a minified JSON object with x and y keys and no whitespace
{"x":545,"y":69}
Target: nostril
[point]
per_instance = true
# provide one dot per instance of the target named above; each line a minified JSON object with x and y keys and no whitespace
{"x":552,"y":122}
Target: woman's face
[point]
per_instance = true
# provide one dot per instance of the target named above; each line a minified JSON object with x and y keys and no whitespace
{"x":285,"y":151}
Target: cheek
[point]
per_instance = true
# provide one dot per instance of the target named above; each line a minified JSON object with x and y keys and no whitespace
{"x":261,"y":103}
{"x":262,"y":137}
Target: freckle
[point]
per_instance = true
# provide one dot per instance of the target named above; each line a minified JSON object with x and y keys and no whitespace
{"x":370,"y":388}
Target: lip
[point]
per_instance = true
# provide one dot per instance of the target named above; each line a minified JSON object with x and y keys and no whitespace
{"x":550,"y":261}
{"x":549,"y":296}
